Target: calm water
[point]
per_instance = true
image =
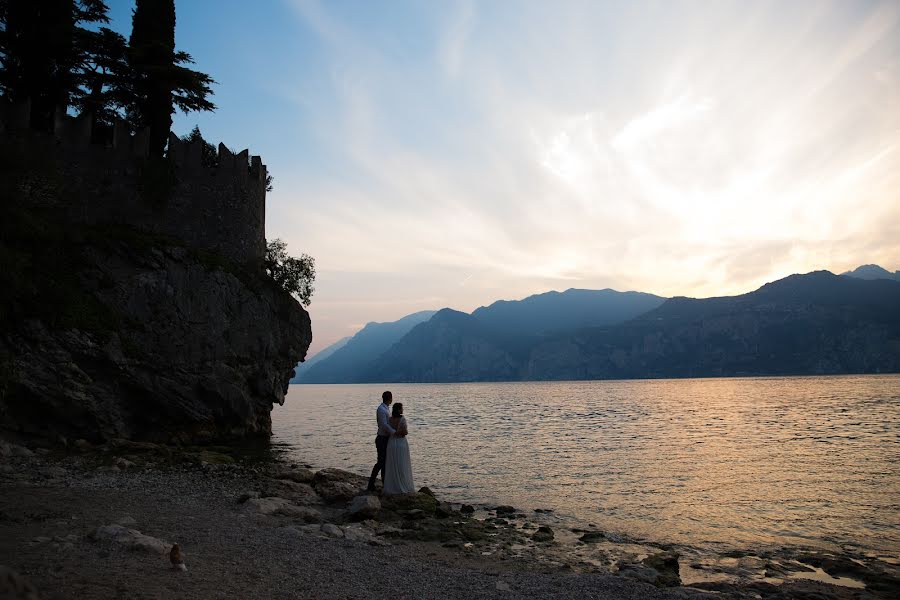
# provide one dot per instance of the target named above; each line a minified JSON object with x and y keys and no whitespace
{"x":746,"y":463}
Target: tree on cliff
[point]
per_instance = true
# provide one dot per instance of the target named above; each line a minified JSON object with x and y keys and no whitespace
{"x":41,"y":44}
{"x":293,"y":275}
{"x":158,"y":82}
{"x":101,"y":71}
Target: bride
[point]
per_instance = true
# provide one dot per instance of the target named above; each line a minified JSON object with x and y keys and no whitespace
{"x":398,"y":478}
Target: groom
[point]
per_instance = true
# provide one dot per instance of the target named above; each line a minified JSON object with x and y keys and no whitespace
{"x":385,"y":431}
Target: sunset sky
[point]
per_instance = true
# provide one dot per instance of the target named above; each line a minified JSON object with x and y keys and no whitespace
{"x":433,"y":154}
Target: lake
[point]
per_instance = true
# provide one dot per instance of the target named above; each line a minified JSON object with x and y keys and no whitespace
{"x":707,"y":463}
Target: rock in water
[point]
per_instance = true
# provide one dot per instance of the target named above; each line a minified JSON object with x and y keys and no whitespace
{"x":543,"y":534}
{"x":409,"y":502}
{"x":666,"y":563}
{"x":364,"y":507}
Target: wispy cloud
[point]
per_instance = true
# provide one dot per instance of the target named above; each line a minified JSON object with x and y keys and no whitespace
{"x":693,"y":149}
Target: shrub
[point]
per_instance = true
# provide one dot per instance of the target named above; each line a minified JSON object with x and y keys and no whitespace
{"x":293,"y":275}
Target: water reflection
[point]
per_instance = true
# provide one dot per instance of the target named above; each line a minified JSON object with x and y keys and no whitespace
{"x":736,"y":462}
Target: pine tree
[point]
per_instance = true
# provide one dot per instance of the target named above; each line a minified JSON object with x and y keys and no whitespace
{"x":159,"y":83}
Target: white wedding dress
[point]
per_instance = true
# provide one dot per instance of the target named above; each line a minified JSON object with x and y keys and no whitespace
{"x":398,"y":477}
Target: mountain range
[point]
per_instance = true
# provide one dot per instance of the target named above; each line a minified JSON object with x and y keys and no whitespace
{"x":817,"y":323}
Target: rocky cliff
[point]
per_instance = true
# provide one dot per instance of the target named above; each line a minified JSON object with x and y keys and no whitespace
{"x":134,"y":301}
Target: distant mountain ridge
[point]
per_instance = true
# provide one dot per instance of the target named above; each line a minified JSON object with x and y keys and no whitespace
{"x":571,"y":309}
{"x":872,"y":272}
{"x":301,"y":368}
{"x":510,"y":326}
{"x":816,"y":323}
{"x":345,"y":363}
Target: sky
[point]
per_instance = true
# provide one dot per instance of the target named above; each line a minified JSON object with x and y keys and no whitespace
{"x":454,"y":153}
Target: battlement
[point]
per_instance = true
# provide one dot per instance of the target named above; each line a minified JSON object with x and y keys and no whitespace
{"x":218,"y":207}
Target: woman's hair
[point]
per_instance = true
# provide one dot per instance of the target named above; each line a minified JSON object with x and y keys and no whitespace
{"x":397,"y":411}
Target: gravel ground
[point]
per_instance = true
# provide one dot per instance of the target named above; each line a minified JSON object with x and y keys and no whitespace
{"x":47,"y":515}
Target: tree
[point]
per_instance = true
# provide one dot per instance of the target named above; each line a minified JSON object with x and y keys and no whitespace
{"x":209,"y":157}
{"x":39,"y":53}
{"x":158,"y":81}
{"x":101,"y":74}
{"x":294,"y":275}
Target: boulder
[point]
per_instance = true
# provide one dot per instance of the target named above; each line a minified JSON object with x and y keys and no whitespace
{"x":505,"y":510}
{"x":335,"y":485}
{"x":363,"y":507}
{"x":443,"y":510}
{"x":407,"y":502}
{"x":282,"y":507}
{"x":638,"y":572}
{"x":666,"y":564}
{"x":332,"y":530}
{"x":337,"y":491}
{"x":356,"y":533}
{"x":467,"y":509}
{"x":338,"y":475}
{"x":426,"y":490}
{"x":592,"y":537}
{"x":131,"y":539}
{"x":7,"y":450}
{"x":543,"y":534}
{"x":300,"y":493}
{"x":294,"y":473}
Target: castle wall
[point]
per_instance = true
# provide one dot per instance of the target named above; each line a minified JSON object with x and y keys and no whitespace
{"x":218,"y":209}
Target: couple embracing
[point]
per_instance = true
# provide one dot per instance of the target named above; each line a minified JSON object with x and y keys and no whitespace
{"x":393,"y":450}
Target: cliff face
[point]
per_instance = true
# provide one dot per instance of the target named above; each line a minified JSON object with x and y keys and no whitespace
{"x":150,"y":320}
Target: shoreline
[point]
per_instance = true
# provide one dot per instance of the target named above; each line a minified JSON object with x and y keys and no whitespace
{"x":56,"y":503}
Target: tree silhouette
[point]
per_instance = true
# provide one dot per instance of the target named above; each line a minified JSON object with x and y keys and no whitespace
{"x":39,"y":52}
{"x":294,"y":275}
{"x":158,"y":82}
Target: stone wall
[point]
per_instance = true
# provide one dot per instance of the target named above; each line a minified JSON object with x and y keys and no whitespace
{"x":219,"y":209}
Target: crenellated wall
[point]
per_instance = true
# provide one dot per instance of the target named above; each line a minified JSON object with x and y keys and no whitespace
{"x":219,"y":209}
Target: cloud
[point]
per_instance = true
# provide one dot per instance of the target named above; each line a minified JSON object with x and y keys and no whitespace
{"x":544,"y":146}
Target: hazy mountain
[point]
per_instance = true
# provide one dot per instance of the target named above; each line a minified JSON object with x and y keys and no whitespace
{"x":451,"y":346}
{"x":561,"y":311}
{"x":816,"y":323}
{"x":804,"y":324}
{"x":494,"y":342}
{"x":346,"y":363}
{"x":872,"y":272}
{"x":321,"y":355}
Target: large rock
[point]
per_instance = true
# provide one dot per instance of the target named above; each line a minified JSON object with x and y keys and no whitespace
{"x":300,"y":493}
{"x":282,"y":507}
{"x":364,"y":507}
{"x":341,"y":476}
{"x":335,"y":485}
{"x":543,"y":534}
{"x":407,"y":502}
{"x":298,"y":474}
{"x":131,"y":539}
{"x":666,"y":564}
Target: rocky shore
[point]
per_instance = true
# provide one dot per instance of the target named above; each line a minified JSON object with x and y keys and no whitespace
{"x":84,"y":521}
